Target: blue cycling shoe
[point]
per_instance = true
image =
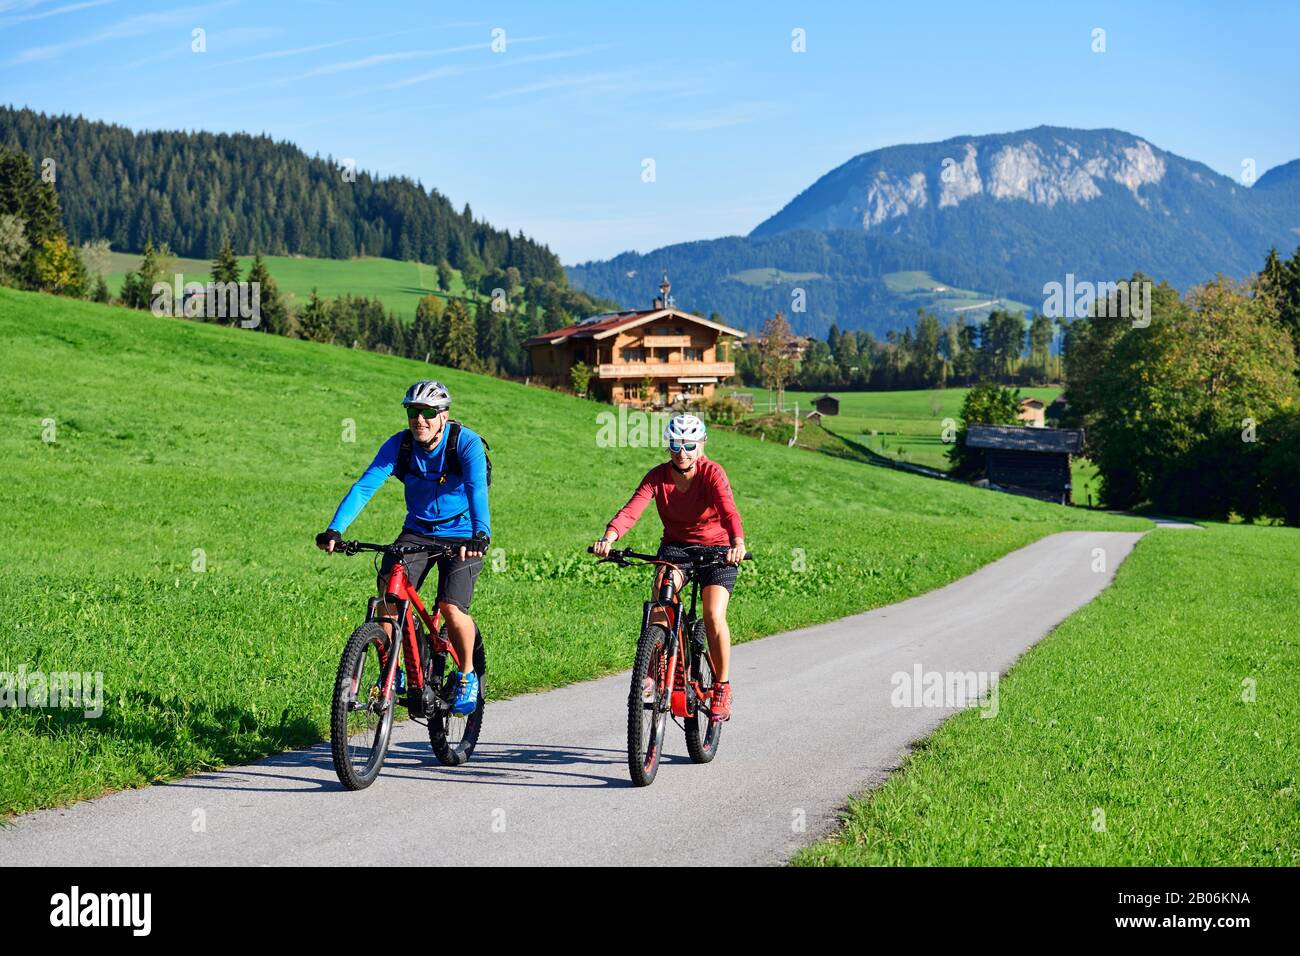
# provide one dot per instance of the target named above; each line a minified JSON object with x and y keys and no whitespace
{"x":466,"y":694}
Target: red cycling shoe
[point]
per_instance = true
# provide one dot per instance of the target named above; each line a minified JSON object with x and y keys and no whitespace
{"x":720,"y":708}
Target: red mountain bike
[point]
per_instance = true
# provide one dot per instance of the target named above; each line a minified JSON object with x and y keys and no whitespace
{"x":361,"y":719}
{"x":670,"y":675}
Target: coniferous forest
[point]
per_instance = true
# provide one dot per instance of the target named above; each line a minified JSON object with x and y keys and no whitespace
{"x":190,"y":190}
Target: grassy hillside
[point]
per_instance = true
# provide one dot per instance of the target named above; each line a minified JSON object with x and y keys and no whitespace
{"x":399,"y":285}
{"x":164,"y":537}
{"x":1155,"y":727}
{"x":923,"y":291}
{"x":908,"y":426}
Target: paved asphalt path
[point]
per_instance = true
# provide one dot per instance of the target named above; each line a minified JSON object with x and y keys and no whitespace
{"x":549,"y":784}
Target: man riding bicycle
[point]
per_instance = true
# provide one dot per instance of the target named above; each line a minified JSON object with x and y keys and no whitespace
{"x":694,"y":501}
{"x":446,"y":503}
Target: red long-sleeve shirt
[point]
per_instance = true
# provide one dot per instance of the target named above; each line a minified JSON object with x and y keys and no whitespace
{"x":704,"y":513}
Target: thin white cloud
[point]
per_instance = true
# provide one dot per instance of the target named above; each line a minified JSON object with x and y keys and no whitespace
{"x":216,"y":42}
{"x":557,"y":55}
{"x":560,"y":83}
{"x":276,"y":54}
{"x":438,"y":74}
{"x":298,"y":51}
{"x":57,"y":11}
{"x":386,"y":57}
{"x":364,"y":62}
{"x":735,"y":116}
{"x":7,"y":5}
{"x":122,"y":29}
{"x":442,"y":72}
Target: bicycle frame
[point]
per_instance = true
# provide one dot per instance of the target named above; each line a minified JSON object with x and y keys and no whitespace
{"x":683,"y":692}
{"x":401,"y":594}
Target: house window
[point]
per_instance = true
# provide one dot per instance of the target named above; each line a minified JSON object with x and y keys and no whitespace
{"x":634,"y":355}
{"x":692,"y":355}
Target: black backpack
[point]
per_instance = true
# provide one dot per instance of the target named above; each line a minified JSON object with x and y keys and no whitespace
{"x":450,"y":459}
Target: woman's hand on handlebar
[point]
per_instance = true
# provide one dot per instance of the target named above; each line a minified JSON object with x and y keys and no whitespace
{"x":601,"y":547}
{"x":736,"y":553}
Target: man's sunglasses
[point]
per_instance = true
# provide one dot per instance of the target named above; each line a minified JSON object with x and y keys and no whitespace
{"x":675,"y":447}
{"x":427,"y":413}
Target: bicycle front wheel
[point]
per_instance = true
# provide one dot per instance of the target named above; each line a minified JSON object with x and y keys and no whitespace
{"x":647,"y":706}
{"x":702,"y":733}
{"x":360,"y":724}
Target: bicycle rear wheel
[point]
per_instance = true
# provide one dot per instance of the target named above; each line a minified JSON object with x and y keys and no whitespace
{"x":702,"y":733}
{"x":647,"y":706}
{"x":360,"y":726}
{"x":454,"y":736}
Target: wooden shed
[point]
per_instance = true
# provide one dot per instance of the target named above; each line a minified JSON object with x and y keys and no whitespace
{"x":827,"y":404}
{"x":1026,"y":460}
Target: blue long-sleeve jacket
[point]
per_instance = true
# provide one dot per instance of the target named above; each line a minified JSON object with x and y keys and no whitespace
{"x":458,"y":508}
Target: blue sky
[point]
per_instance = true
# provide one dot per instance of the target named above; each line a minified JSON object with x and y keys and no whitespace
{"x":549,"y":135}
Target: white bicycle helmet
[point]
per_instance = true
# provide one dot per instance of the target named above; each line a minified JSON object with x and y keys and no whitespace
{"x":428,"y":392}
{"x":685,"y":428}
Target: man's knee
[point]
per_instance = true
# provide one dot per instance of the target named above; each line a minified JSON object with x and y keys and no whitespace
{"x":453,"y":612}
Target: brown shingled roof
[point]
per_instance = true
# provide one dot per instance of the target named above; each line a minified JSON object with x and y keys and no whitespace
{"x":597,"y":326}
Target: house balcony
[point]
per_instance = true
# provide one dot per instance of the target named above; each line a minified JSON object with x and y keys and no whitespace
{"x":662,"y":342}
{"x":640,"y":370}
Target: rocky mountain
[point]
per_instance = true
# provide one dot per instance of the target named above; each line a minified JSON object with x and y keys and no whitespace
{"x":972,"y":219}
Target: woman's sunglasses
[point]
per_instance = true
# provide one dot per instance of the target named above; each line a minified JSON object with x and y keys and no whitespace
{"x":428,"y":414}
{"x":676,"y":447}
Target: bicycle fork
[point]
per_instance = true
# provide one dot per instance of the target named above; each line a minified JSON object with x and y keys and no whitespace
{"x":408,"y":643}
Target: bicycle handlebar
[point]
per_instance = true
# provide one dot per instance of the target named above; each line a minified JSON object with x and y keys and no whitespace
{"x":352,"y":547}
{"x":620,"y":557}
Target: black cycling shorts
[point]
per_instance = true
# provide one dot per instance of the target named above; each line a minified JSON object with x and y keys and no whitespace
{"x":455,"y":577}
{"x":724,"y":574}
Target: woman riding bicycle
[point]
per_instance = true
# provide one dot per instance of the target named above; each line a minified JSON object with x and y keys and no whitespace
{"x":695,"y":505}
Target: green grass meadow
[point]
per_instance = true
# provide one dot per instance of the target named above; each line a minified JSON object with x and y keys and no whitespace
{"x":1156,"y":726}
{"x":399,"y":285}
{"x":164,"y":481}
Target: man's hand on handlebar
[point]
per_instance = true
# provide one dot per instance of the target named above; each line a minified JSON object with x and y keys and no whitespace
{"x":475,"y":548}
{"x":327,"y":541}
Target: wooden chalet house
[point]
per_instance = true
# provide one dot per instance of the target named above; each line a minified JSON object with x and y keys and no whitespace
{"x":676,"y":351}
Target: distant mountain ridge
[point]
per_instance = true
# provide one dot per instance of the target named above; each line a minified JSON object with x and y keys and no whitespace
{"x":999,"y":214}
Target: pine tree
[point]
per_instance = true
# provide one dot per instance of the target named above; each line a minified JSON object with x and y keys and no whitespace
{"x":273,"y":313}
{"x":510,"y":352}
{"x":13,"y":247}
{"x":313,"y":321}
{"x":137,"y":287}
{"x":225,"y":267}
{"x":459,"y":350}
